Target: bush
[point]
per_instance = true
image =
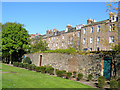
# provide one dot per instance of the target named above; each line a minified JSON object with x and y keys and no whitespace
{"x":20,"y":64}
{"x":68,"y":75}
{"x":31,"y":67}
{"x":27,"y":60}
{"x":113,"y":84}
{"x":64,"y":72}
{"x":59,"y":73}
{"x":25,"y":65}
{"x":90,"y":76}
{"x":42,"y":69}
{"x":16,"y":64}
{"x":49,"y":69}
{"x":80,"y":76}
{"x":37,"y":69}
{"x":101,"y":81}
{"x":74,"y":74}
{"x":119,"y":84}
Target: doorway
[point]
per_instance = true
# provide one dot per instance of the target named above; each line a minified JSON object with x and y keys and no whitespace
{"x":107,"y":67}
{"x":40,"y":59}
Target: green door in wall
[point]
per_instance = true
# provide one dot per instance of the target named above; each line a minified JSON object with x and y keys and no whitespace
{"x":107,"y":68}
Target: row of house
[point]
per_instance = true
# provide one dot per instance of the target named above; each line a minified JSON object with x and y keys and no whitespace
{"x":94,"y":36}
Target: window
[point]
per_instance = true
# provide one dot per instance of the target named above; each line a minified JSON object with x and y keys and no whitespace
{"x":112,"y":17}
{"x":63,"y":37}
{"x":48,"y":45}
{"x":98,"y":29}
{"x":98,"y":49}
{"x":73,"y":34}
{"x":62,"y":44}
{"x":84,"y":30}
{"x":56,"y":44}
{"x":111,"y":39}
{"x":71,"y":38}
{"x":78,"y":34}
{"x":113,"y":26}
{"x":98,"y":40}
{"x":49,"y":39}
{"x":90,"y":49}
{"x":57,"y":37}
{"x":91,"y":40}
{"x":84,"y":40}
{"x":91,"y":30}
{"x":68,"y":42}
{"x":78,"y":43}
{"x":110,"y":27}
{"x":52,"y":38}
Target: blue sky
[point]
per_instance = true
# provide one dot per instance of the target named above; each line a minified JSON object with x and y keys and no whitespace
{"x":41,"y":16}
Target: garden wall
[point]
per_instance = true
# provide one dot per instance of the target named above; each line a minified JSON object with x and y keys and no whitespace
{"x":86,"y":64}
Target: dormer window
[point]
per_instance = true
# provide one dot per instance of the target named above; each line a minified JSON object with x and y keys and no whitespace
{"x":112,"y":17}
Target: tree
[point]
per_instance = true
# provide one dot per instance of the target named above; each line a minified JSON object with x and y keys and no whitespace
{"x":112,"y":8}
{"x":14,"y":41}
{"x":37,"y":44}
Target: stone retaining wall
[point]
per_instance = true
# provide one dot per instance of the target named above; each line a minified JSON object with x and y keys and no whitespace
{"x":86,"y":64}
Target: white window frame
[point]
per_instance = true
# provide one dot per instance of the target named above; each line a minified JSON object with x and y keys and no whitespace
{"x":98,"y":40}
{"x":91,"y":30}
{"x":78,"y":34}
{"x":91,"y":40}
{"x":84,"y":40}
{"x":63,"y":37}
{"x":111,"y":39}
{"x":84,"y":31}
{"x":98,"y":28}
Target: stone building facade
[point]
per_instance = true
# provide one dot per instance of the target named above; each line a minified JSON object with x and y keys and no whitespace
{"x":94,"y":36}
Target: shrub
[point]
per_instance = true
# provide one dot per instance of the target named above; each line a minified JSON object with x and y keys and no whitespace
{"x":20,"y":64}
{"x":25,"y":65}
{"x":113,"y":84}
{"x":59,"y":73}
{"x":16,"y":64}
{"x":90,"y":76}
{"x":37,"y":69}
{"x":74,"y":74}
{"x":27,"y":60}
{"x":68,"y":75}
{"x":114,"y":78}
{"x":33,"y":66}
{"x":42,"y":69}
{"x":101,"y":81}
{"x":30,"y":66}
{"x":64,"y":72}
{"x":119,"y":84}
{"x":80,"y":76}
{"x":49,"y":69}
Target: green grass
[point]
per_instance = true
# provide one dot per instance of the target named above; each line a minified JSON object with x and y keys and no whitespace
{"x":30,"y":79}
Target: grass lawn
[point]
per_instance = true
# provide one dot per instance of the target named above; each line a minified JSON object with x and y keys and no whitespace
{"x":30,"y":79}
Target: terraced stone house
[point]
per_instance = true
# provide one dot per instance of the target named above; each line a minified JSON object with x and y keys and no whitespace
{"x":94,"y":36}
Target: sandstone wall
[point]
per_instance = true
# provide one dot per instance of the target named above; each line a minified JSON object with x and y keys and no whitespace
{"x":86,"y":64}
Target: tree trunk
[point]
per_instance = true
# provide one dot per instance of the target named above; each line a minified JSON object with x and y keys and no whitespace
{"x":11,"y":59}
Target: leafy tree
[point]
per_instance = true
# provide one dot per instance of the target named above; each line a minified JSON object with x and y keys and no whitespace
{"x":14,"y":41}
{"x":37,"y":44}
